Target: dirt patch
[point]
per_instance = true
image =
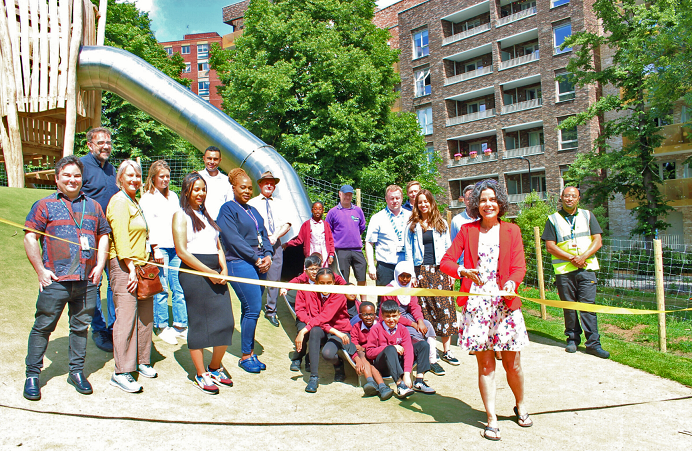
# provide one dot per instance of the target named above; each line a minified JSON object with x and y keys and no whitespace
{"x":537,"y":314}
{"x":629,"y":335}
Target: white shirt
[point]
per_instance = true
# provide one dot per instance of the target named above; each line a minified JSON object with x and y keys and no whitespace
{"x":159,"y":211}
{"x":278,"y":212}
{"x":203,"y":241}
{"x":382,"y":232}
{"x":318,"y":241}
{"x":219,"y":191}
{"x":458,"y":221}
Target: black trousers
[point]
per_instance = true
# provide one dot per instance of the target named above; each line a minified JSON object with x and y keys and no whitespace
{"x":389,"y":362}
{"x":329,"y":344}
{"x":579,"y":286}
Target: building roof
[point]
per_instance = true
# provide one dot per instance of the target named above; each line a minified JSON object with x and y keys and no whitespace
{"x":235,"y":11}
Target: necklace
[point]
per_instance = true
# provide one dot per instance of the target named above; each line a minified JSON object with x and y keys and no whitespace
{"x":487,"y":229}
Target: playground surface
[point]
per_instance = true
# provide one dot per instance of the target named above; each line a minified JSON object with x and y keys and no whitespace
{"x":574,"y":400}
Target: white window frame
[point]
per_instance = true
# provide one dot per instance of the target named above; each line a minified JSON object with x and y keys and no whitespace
{"x":570,"y":144}
{"x":422,"y":37}
{"x":425,"y":121}
{"x":205,"y":66}
{"x":185,"y":50}
{"x":478,"y":64}
{"x":556,"y":45}
{"x":514,"y":185}
{"x":479,"y":104}
{"x":188,"y":68}
{"x":420,"y":89}
{"x":203,"y":88}
{"x":533,"y":93}
{"x":202,"y":51}
{"x":533,"y":47}
{"x":567,"y":95}
{"x":478,"y":146}
{"x":535,"y":136}
{"x":169,"y":50}
{"x":556,"y":3}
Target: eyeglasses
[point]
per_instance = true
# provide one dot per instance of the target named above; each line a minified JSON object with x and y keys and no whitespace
{"x":571,"y":196}
{"x":312,"y":269}
{"x":488,"y":181}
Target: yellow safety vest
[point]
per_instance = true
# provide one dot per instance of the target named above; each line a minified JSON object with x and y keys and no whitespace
{"x":574,"y":239}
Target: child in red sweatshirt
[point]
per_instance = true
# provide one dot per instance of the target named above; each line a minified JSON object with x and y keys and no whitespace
{"x":390,"y":349}
{"x":359,"y":337}
{"x":322,"y":319}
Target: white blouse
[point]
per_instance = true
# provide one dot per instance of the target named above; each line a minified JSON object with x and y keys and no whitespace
{"x":203,"y":241}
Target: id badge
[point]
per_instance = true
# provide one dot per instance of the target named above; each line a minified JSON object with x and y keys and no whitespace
{"x":573,"y":245}
{"x":148,"y":247}
{"x":259,"y":239}
{"x":84,"y":243}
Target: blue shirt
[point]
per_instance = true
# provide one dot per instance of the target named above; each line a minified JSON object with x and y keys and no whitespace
{"x":239,"y":233}
{"x":98,"y":182}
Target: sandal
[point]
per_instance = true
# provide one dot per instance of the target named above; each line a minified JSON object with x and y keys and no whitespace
{"x":523,"y":420}
{"x":495,"y":431}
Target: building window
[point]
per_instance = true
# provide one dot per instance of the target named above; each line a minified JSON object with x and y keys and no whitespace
{"x":478,"y":147}
{"x":666,"y":170}
{"x":422,"y":82}
{"x":187,"y":68}
{"x":420,"y":44}
{"x":538,"y":183}
{"x":560,"y":33}
{"x":568,"y":137}
{"x":475,"y":107}
{"x":425,"y":120}
{"x":565,"y":86}
{"x":202,"y":51}
{"x":555,"y":3}
{"x":535,"y":139}
{"x":169,"y":50}
{"x":202,"y":66}
{"x":185,"y":50}
{"x":203,"y":88}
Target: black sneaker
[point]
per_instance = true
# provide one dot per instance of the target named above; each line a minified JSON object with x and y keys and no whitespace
{"x":437,"y":369}
{"x":598,"y":352}
{"x":370,"y":389}
{"x":339,"y":373}
{"x":385,"y":393}
{"x":449,"y":358}
{"x":571,"y":347}
{"x":295,"y":365}
{"x":103,"y":341}
{"x":313,"y":383}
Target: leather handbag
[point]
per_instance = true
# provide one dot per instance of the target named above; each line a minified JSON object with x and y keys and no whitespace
{"x":148,"y":282}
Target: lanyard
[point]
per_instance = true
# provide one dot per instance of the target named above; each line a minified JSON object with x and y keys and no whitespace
{"x":572,"y":223}
{"x":249,"y":213}
{"x":396,"y":229}
{"x":139,"y":209}
{"x":81,"y":221}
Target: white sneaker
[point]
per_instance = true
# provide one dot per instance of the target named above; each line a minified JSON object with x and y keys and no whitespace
{"x":146,"y":371}
{"x":182,"y":334}
{"x":125,"y":382}
{"x":168,"y":335}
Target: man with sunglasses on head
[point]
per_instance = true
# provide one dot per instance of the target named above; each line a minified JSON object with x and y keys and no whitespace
{"x":573,"y":236}
{"x":98,"y":183}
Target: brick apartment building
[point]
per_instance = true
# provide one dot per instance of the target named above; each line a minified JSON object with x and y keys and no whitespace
{"x":488,"y":84}
{"x":194,"y":48}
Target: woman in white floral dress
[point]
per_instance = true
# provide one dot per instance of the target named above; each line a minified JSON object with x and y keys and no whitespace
{"x":493,"y":262}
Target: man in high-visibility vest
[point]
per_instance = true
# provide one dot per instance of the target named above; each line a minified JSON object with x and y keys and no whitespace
{"x":573,"y":236}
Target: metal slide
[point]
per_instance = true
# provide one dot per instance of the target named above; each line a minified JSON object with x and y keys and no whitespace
{"x":196,"y":120}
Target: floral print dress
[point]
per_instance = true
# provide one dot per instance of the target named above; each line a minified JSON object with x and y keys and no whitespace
{"x":488,"y":324}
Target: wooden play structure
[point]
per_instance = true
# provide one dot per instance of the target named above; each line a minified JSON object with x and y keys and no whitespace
{"x":41,"y":105}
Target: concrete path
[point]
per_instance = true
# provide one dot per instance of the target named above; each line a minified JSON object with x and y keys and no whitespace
{"x":576,"y":401}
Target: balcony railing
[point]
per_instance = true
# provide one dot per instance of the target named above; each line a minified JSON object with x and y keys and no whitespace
{"x":475,"y":160}
{"x":516,"y":198}
{"x":468,"y":75}
{"x":520,"y":60}
{"x":523,"y":151}
{"x":470,"y":117}
{"x":676,"y":137}
{"x":516,"y":16}
{"x":466,"y":34}
{"x":677,"y":193}
{"x":520,"y":106}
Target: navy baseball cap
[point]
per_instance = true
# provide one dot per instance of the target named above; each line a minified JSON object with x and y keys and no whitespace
{"x":346,"y":189}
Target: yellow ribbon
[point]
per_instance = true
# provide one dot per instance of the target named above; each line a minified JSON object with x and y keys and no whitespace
{"x":384,"y":291}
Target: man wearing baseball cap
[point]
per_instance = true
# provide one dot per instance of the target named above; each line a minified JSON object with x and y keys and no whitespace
{"x":347,"y":222}
{"x":275,"y":221}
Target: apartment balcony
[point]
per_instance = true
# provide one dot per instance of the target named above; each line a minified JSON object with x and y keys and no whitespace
{"x":516,"y":16}
{"x":519,"y":60}
{"x":466,"y":34}
{"x":464,"y":161}
{"x":470,"y":117}
{"x":676,"y":138}
{"x":521,"y":106}
{"x":678,"y":193}
{"x":524,"y":151}
{"x":516,"y":198}
{"x":456,"y":203}
{"x":469,"y":75}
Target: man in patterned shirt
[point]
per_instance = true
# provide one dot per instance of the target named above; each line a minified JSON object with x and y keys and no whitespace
{"x":68,"y":270}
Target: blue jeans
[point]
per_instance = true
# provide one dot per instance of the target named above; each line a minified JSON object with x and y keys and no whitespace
{"x":169,"y":279}
{"x":80,"y":296}
{"x":98,"y":324}
{"x":250,"y":297}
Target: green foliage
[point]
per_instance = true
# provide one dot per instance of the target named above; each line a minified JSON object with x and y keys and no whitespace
{"x":135,"y":133}
{"x":633,"y":30}
{"x":315,"y":79}
{"x":534,"y":212}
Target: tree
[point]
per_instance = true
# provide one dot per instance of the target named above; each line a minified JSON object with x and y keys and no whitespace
{"x":632,"y":30}
{"x":315,"y":79}
{"x":135,"y":133}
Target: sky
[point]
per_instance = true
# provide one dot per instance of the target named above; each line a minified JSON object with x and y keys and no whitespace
{"x":172,"y":19}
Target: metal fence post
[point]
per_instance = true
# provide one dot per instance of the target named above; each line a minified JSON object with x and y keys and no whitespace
{"x":660,"y":295}
{"x":539,"y":262}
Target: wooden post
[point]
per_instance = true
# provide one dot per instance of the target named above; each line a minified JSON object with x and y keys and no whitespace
{"x":72,"y":89}
{"x":539,"y":263}
{"x":660,"y":295}
{"x":449,"y":219}
{"x":358,"y":197}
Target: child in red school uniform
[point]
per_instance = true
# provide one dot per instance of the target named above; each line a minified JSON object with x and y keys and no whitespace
{"x":323,"y":322}
{"x":390,"y":349}
{"x":412,"y":314}
{"x":359,"y":337}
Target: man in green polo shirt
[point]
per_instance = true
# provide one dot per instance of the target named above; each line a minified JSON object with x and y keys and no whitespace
{"x":573,"y":236}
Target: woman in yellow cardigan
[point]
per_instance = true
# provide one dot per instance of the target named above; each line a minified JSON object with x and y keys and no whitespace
{"x":133,"y":317}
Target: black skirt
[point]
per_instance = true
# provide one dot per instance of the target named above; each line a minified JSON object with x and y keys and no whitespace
{"x":209,"y":312}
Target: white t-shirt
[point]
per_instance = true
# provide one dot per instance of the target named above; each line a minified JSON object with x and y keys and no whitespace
{"x":219,"y":191}
{"x":202,"y":241}
{"x":159,"y":211}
